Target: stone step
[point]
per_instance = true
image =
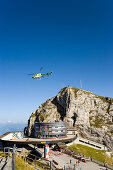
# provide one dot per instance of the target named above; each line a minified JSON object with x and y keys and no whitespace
{"x":6,"y":164}
{"x":2,"y":162}
{"x":9,"y":164}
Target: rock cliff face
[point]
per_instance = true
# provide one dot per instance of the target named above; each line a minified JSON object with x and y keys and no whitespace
{"x":90,"y":114}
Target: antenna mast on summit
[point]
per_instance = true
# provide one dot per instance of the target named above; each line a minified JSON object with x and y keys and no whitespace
{"x":81,"y":84}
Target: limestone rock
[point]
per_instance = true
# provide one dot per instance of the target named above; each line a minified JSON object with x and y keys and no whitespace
{"x":90,"y":114}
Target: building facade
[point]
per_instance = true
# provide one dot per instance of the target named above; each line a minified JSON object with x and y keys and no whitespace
{"x":49,"y":130}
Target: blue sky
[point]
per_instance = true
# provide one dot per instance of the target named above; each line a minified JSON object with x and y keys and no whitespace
{"x":72,"y":38}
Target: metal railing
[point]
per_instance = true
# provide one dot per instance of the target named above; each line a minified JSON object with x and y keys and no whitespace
{"x":30,"y":159}
{"x":4,"y":158}
{"x":36,"y":162}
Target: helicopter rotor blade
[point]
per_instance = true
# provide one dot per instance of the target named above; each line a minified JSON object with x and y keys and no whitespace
{"x":40,"y":69}
{"x":30,"y":74}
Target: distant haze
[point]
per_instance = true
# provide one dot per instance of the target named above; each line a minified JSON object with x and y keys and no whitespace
{"x":11,"y":127}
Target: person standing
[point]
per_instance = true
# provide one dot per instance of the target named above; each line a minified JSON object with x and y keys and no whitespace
{"x":106,"y":166}
{"x":104,"y":163}
{"x":78,"y":162}
{"x":70,"y":161}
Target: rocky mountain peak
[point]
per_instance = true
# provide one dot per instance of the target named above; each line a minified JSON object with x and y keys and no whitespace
{"x":91,"y":114}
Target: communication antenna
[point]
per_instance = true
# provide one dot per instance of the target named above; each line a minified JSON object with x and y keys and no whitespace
{"x":81,"y":84}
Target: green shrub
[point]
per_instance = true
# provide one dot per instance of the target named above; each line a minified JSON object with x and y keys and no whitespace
{"x":98,"y":122}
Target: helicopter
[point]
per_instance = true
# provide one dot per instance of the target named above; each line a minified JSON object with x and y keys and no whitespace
{"x":39,"y":75}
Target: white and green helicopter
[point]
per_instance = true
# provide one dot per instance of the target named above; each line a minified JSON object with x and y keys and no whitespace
{"x":39,"y":75}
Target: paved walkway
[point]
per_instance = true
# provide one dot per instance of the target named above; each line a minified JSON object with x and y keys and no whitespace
{"x":64,"y":159}
{"x":91,"y":166}
{"x":5,"y":164}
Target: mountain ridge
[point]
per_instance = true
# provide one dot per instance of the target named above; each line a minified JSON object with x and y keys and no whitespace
{"x":90,"y":114}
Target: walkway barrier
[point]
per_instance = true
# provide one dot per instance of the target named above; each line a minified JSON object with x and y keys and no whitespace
{"x":28,"y":159}
{"x":4,"y":160}
{"x":80,"y":157}
{"x":72,"y":167}
{"x":33,"y":160}
{"x":55,"y":162}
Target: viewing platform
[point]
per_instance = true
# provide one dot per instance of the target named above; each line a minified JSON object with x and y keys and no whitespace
{"x":18,"y":138}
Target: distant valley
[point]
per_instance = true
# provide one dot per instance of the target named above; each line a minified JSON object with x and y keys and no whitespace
{"x":10,"y":127}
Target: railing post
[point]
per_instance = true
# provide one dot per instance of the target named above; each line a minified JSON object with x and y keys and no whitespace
{"x":74,"y":167}
{"x":35,"y":162}
{"x":50,"y":165}
{"x":25,"y":157}
{"x":8,"y":152}
{"x":4,"y":152}
{"x":13,"y":158}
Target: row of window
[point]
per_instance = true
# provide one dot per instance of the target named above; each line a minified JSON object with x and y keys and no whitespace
{"x":49,"y":136}
{"x":50,"y":131}
{"x":56,"y":126}
{"x":38,"y":127}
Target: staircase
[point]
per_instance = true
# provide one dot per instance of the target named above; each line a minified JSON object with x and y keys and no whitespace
{"x":5,"y":163}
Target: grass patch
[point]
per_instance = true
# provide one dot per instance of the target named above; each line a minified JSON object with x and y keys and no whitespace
{"x":62,"y":90}
{"x":90,"y":118}
{"x":99,"y":155}
{"x":1,"y":154}
{"x":91,"y":111}
{"x":111,"y":132}
{"x":75,"y":90}
{"x":43,"y":117}
{"x":87,"y":92}
{"x":33,"y":115}
{"x":20,"y":164}
{"x":109,"y":123}
{"x":42,"y":166}
{"x":49,"y":108}
{"x":98,"y":122}
{"x":105,"y":99}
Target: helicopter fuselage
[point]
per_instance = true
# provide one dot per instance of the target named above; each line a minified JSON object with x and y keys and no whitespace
{"x":41,"y":75}
{"x":37,"y":76}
